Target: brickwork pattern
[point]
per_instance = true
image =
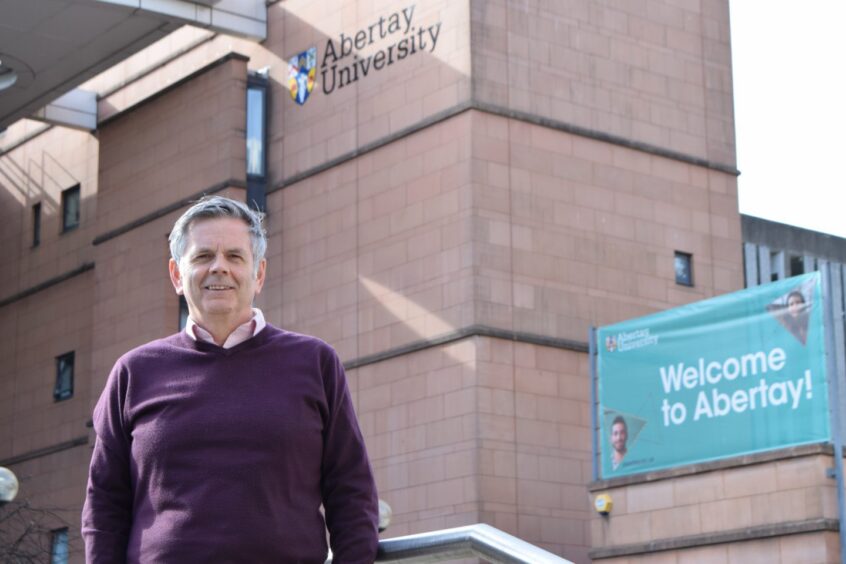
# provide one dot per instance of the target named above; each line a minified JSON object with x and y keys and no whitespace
{"x":172,"y":147}
{"x":784,"y":491}
{"x":651,"y":71}
{"x":38,"y":172}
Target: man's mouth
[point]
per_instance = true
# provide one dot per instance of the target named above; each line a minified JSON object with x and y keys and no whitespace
{"x":217,"y":287}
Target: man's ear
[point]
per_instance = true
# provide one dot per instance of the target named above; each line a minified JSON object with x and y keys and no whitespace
{"x":175,"y":276}
{"x":260,"y":275}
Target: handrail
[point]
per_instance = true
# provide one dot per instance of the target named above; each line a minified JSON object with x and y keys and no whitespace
{"x":473,"y":540}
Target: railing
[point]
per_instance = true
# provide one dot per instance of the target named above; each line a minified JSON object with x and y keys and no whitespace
{"x":473,"y":540}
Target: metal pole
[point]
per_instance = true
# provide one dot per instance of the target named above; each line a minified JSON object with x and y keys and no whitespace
{"x":833,"y":402}
{"x":594,"y":416}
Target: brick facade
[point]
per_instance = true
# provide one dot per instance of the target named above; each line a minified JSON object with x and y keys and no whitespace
{"x":452,"y":223}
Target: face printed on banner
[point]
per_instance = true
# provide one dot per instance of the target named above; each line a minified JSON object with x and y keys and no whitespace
{"x":795,"y":304}
{"x":619,"y":436}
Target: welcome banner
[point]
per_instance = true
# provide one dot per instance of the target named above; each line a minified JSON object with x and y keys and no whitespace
{"x":732,"y":375}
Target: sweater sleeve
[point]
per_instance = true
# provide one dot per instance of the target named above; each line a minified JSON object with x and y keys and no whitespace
{"x":107,"y":513}
{"x":348,"y":487}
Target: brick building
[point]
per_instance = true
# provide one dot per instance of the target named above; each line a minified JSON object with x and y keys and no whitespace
{"x":467,"y":188}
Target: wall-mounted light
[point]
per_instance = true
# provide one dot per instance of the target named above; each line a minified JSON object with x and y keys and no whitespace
{"x":8,"y":485}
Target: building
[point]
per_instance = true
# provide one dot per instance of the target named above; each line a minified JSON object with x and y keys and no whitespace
{"x":455,"y":194}
{"x":775,"y":506}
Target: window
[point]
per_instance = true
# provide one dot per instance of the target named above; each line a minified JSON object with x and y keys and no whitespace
{"x":64,"y":377}
{"x":776,"y":265}
{"x":70,"y":208}
{"x":36,"y":224}
{"x":797,"y":265}
{"x":59,"y":551}
{"x":684,"y":268}
{"x":183,"y":313}
{"x":257,"y":95}
{"x":256,"y":122}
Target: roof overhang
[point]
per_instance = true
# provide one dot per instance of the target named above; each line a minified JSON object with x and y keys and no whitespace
{"x":49,"y":47}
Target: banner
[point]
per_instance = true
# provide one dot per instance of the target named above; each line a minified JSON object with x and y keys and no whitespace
{"x":732,"y":375}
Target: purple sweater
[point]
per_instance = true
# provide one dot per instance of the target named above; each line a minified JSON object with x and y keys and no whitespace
{"x":205,"y":454}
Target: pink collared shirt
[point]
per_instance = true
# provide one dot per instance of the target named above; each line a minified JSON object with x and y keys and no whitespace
{"x":241,"y":333}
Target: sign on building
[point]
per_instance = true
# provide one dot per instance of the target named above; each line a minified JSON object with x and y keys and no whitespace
{"x":733,"y":375}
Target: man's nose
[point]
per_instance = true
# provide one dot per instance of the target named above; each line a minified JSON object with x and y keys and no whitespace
{"x":219,"y":263}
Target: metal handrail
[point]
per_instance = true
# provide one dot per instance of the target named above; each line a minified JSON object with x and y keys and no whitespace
{"x":473,"y":540}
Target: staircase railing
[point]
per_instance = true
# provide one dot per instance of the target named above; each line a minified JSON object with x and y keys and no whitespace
{"x":473,"y":540}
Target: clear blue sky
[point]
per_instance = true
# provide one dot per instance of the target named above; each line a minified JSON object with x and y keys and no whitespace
{"x":789,"y":60}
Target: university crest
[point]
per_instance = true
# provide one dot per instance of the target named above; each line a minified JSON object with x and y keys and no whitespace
{"x":301,"y":71}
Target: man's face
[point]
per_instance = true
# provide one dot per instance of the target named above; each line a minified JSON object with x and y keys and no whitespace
{"x":794,"y":305}
{"x":215,"y":272}
{"x":619,"y":436}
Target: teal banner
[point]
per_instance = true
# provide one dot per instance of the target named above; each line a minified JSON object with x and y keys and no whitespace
{"x":733,"y":375}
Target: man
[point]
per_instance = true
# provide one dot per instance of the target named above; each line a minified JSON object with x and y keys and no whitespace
{"x":220,"y":443}
{"x":619,"y":436}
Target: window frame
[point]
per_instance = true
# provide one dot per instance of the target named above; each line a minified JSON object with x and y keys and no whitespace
{"x":36,"y":224}
{"x":66,"y":195}
{"x":688,"y":257}
{"x":182,"y":320}
{"x":59,"y":542}
{"x":62,"y":392}
{"x":258,"y":82}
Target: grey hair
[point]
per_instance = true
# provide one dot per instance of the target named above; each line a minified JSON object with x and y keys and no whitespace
{"x":210,"y":207}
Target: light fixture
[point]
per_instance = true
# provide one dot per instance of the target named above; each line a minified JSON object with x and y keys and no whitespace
{"x":8,"y":485}
{"x":8,"y":76}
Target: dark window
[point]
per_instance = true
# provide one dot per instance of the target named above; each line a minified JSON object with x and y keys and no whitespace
{"x":70,"y":208}
{"x":36,"y":224}
{"x":684,"y":268}
{"x":797,"y":266}
{"x":64,"y":377}
{"x":183,"y":313}
{"x":59,"y":552}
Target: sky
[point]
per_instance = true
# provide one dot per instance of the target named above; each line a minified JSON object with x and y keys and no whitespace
{"x":789,"y":61}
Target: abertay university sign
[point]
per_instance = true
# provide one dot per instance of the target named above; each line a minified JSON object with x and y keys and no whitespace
{"x":733,"y":375}
{"x":353,"y":56}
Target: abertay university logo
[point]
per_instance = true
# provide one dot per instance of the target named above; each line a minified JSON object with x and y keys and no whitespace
{"x":344,"y":60}
{"x":301,"y":71}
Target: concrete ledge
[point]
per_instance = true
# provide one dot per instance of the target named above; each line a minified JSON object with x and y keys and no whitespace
{"x":77,"y":109}
{"x":244,"y":18}
{"x":734,"y":462}
{"x":464,"y":333}
{"x":723,"y":537}
{"x":462,"y":107}
{"x":46,"y":451}
{"x":85,"y":267}
{"x":232,"y":55}
{"x":161,"y":212}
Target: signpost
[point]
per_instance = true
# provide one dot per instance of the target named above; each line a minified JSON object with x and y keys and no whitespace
{"x":733,"y":375}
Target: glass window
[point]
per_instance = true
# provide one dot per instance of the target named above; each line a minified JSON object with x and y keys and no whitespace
{"x":684,"y":268}
{"x":64,"y":377}
{"x":776,"y":265}
{"x":255,"y":130}
{"x":36,"y":224}
{"x":70,"y":208}
{"x":59,"y":552}
{"x":183,"y":313}
{"x":797,"y":266}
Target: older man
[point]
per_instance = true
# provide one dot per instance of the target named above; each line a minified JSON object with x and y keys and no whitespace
{"x":220,"y":443}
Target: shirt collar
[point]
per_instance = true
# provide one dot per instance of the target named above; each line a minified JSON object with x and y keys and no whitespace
{"x":242,"y":333}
